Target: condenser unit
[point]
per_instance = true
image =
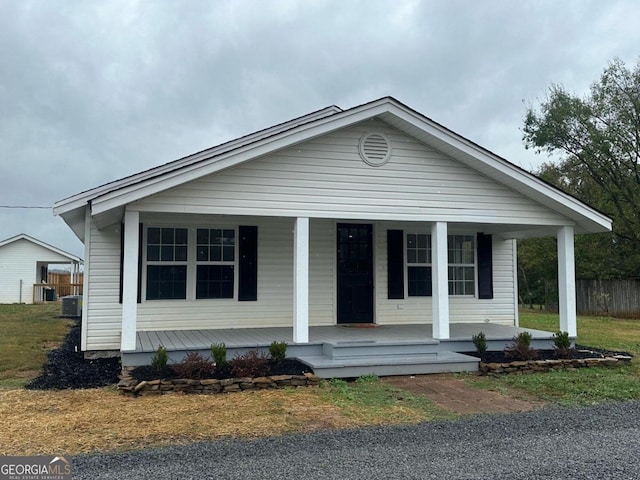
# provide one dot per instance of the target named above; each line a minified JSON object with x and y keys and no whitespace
{"x":72,"y":306}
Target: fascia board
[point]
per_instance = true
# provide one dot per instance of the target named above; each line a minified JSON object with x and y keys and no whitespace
{"x":238,"y":156}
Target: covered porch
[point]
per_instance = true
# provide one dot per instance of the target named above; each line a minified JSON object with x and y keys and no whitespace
{"x":344,"y":350}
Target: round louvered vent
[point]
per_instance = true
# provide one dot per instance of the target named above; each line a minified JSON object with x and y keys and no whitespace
{"x":375,"y":149}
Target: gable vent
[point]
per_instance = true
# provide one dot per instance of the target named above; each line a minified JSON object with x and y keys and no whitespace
{"x":375,"y":149}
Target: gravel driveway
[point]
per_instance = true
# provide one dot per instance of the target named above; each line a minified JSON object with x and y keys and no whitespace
{"x":601,"y":442}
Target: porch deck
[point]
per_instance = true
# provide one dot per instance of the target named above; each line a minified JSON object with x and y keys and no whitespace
{"x":344,"y":351}
{"x":149,"y":341}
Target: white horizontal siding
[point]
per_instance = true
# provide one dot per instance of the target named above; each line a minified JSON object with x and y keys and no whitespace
{"x":322,"y":262}
{"x":102,"y":297}
{"x":19,"y":262}
{"x":274,"y":306}
{"x":500,"y":309}
{"x":326,"y":177}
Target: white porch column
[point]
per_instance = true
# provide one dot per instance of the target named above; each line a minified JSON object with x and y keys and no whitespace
{"x":440,"y":280}
{"x":567,"y":281}
{"x":130,"y":280}
{"x":301,"y":281}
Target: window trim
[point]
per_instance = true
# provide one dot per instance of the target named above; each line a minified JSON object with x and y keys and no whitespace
{"x":449,"y":264}
{"x":191,"y":262}
{"x":233,"y":263}
{"x":163,"y":263}
{"x":416,"y":264}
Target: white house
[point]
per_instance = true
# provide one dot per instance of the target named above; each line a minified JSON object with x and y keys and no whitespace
{"x":375,"y":215}
{"x":24,"y":264}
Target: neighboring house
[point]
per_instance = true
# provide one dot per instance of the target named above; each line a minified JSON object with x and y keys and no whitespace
{"x":24,"y":265}
{"x":373,"y":215}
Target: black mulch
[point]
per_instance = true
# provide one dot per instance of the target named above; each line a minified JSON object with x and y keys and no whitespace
{"x":580,"y":352}
{"x":66,"y":368}
{"x":288,"y":367}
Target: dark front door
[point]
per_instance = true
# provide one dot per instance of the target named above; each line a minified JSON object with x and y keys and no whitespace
{"x":355,"y":273}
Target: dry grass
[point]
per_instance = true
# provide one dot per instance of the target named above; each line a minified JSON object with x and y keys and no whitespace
{"x":79,"y":421}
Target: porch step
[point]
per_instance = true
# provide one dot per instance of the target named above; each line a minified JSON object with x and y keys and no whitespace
{"x":366,"y":348}
{"x":384,"y":365}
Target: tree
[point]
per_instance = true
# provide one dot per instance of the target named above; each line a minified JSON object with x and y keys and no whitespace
{"x":600,"y":138}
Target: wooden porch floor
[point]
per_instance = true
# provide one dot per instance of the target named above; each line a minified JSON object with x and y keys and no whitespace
{"x":149,"y":341}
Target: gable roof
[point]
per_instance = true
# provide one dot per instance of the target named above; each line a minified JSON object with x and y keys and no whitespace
{"x":24,"y":236}
{"x":115,"y":195}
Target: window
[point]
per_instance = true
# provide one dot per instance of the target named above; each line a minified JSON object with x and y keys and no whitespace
{"x":215,"y":260}
{"x":461,"y":264}
{"x":167,"y":263}
{"x":419,"y":264}
{"x":462,"y":268}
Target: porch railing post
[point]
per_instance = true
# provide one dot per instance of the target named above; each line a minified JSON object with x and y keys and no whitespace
{"x":440,"y":280}
{"x":130,"y":280}
{"x":567,"y":281}
{"x":301,"y":281}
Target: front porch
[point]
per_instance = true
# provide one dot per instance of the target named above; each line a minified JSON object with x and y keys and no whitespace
{"x":344,"y":351}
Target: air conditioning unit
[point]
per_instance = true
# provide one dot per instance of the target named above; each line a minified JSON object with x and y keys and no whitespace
{"x":72,"y":306}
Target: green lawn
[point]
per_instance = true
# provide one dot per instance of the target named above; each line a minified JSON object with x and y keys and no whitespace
{"x":583,"y":386}
{"x":27,"y":333}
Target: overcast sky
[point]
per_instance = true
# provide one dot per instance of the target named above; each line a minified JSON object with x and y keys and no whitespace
{"x":91,"y":91}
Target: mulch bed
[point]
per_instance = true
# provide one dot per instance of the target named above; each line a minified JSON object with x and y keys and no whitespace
{"x":66,"y":368}
{"x":579,"y":352}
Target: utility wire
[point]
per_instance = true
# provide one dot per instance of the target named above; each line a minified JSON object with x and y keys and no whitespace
{"x":22,"y":206}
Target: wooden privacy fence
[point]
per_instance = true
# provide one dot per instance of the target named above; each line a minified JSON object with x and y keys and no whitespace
{"x":59,"y":285}
{"x":620,"y":298}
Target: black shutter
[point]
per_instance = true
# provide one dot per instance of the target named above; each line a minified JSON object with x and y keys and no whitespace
{"x":140,"y":252}
{"x":248,"y":264}
{"x":485,"y":266}
{"x":395,"y":264}
{"x":121,"y":260}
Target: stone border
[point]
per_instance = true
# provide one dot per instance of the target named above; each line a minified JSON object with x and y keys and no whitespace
{"x":546,"y":365}
{"x":130,"y":386}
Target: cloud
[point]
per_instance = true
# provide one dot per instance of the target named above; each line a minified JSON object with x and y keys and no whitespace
{"x":93,"y":91}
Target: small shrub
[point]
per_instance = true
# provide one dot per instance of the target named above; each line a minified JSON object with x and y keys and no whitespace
{"x":562,"y":344}
{"x":160,"y":359}
{"x":219,"y":354}
{"x":521,"y":349}
{"x":480,"y":342}
{"x":278,"y":351}
{"x":368,"y":378}
{"x":252,"y":364}
{"x":194,"y":366}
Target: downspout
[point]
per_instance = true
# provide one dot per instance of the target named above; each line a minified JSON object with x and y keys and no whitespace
{"x":20,"y":300}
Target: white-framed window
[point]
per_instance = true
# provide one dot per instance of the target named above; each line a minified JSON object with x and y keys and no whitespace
{"x":462,"y":264}
{"x":418,"y":265}
{"x":166,"y":258}
{"x":215,"y":262}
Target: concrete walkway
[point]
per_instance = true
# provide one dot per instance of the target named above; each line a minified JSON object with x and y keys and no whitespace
{"x":455,"y":396}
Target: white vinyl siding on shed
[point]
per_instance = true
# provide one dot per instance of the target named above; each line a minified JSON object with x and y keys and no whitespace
{"x":19,"y":262}
{"x":326,"y":177}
